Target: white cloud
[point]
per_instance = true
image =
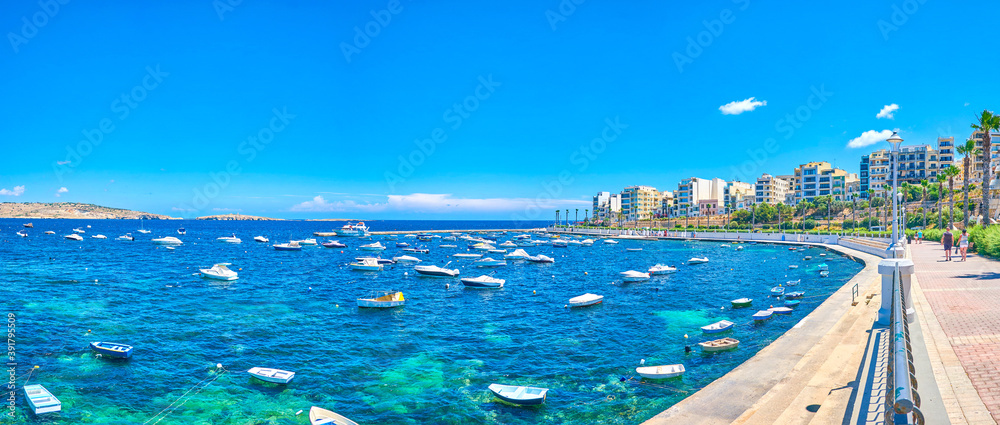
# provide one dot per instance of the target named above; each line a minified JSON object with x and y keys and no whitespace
{"x":967,"y":104}
{"x":62,"y":162}
{"x":869,"y":137}
{"x":61,"y":191}
{"x":227,"y":209}
{"x":437,"y":203}
{"x":18,"y":190}
{"x":887,"y":111}
{"x":741,"y":106}
{"x":182,"y":209}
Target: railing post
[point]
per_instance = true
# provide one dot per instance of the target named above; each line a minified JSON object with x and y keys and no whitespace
{"x":887,"y":268}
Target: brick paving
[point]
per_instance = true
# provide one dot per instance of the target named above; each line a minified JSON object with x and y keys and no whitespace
{"x":965,"y":298}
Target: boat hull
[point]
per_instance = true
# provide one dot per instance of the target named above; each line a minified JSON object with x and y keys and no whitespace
{"x":41,"y":400}
{"x":364,"y":303}
{"x":110,"y":349}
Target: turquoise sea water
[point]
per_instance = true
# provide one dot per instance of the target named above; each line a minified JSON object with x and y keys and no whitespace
{"x":427,"y":362}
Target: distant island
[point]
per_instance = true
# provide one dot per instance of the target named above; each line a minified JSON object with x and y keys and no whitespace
{"x":29,"y":210}
{"x":238,"y":217}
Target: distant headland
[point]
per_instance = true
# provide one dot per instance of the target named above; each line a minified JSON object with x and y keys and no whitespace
{"x":29,"y":210}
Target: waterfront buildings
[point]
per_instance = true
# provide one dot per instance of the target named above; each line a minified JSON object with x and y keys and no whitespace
{"x":738,"y":196}
{"x":692,"y":193}
{"x":916,"y":163}
{"x":819,"y":178}
{"x":772,"y":190}
{"x":976,"y":174}
{"x":606,"y":206}
{"x":640,"y":202}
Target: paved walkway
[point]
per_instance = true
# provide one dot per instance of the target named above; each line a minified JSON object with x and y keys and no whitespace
{"x":965,"y":300}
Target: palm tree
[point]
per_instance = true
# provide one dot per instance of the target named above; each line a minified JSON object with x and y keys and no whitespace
{"x":854,"y":214}
{"x":923,"y":200}
{"x":886,"y":196}
{"x":968,"y":151}
{"x":576,"y":216}
{"x":951,"y":172}
{"x":941,"y":179}
{"x":871,"y":197}
{"x":557,"y":216}
{"x":987,"y":122}
{"x":586,"y":216}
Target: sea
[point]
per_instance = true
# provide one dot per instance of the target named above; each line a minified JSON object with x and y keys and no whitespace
{"x":428,"y":362}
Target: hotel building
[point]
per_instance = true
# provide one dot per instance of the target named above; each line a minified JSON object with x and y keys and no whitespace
{"x":916,"y":163}
{"x":819,"y":178}
{"x":772,"y":190}
{"x":640,"y":202}
{"x":693,"y":191}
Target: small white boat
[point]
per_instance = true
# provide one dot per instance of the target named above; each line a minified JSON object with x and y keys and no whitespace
{"x":762,"y":315}
{"x":79,"y":230}
{"x":448,"y":246}
{"x":508,"y":244}
{"x":560,"y":243}
{"x":807,"y":258}
{"x":633,"y":249}
{"x":367,"y":265}
{"x":660,"y":269}
{"x":634,"y":276}
{"x":525,"y":396}
{"x":406,"y":259}
{"x":823,"y":255}
{"x":290,"y":246}
{"x":497,"y":251}
{"x":49,"y":232}
{"x":168,"y":240}
{"x":725,"y":245}
{"x":518,"y":254}
{"x":435,"y":271}
{"x":717,"y":327}
{"x":540,"y":259}
{"x":126,"y":237}
{"x":40,"y":399}
{"x":719,"y":344}
{"x":229,"y":239}
{"x":742,"y":302}
{"x":142,"y":228}
{"x":219,"y":272}
{"x":99,"y":237}
{"x":276,"y":376}
{"x":696,"y":260}
{"x":482,"y":246}
{"x":824,"y":273}
{"x":307,"y":242}
{"x":489,"y":262}
{"x":611,"y":241}
{"x":585,"y":300}
{"x":377,"y":246}
{"x":575,"y":242}
{"x":22,"y":233}
{"x":739,"y":247}
{"x":383,"y":299}
{"x":74,"y":236}
{"x":781,"y":310}
{"x":320,"y":416}
{"x":260,"y":239}
{"x":466,"y":255}
{"x":181,"y":231}
{"x":449,"y":238}
{"x":792,"y":266}
{"x":587,"y":242}
{"x":484,"y":281}
{"x":823,"y":266}
{"x":409,"y":235}
{"x":660,"y":372}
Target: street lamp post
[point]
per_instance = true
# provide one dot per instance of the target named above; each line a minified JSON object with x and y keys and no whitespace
{"x":895,"y":251}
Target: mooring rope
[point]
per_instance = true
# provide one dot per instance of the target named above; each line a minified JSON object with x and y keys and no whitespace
{"x":209,"y":380}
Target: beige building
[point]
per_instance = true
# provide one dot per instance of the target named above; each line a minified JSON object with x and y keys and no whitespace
{"x":772,"y":190}
{"x":976,"y":174}
{"x":738,"y":196}
{"x":916,"y":163}
{"x":819,"y":178}
{"x":691,"y":192}
{"x":640,"y":202}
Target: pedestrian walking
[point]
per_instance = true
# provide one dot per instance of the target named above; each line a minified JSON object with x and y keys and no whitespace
{"x":963,"y":243}
{"x":946,"y":240}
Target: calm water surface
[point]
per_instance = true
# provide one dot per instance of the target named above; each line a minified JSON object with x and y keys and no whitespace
{"x":427,"y":362}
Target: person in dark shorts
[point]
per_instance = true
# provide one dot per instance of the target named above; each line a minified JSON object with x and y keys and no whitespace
{"x":946,"y":240}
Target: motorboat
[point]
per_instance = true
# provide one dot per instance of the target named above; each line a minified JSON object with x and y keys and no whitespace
{"x":353,"y":230}
{"x":307,"y":242}
{"x":791,"y":248}
{"x":718,"y":327}
{"x":781,"y":310}
{"x":74,"y":236}
{"x":22,"y":233}
{"x":28,"y":225}
{"x":540,"y":259}
{"x":611,"y":241}
{"x":518,"y":254}
{"x":587,"y":242}
{"x":719,"y":344}
{"x":40,"y":400}
{"x":112,"y":349}
{"x":219,"y":271}
{"x":98,"y":237}
{"x":634,"y":276}
{"x":126,"y":237}
{"x":778,"y":290}
{"x":167,"y":240}
{"x":435,"y":271}
{"x":447,"y":246}
{"x":391,"y":237}
{"x":807,"y":258}
{"x":425,"y":237}
{"x":229,"y":239}
{"x":525,"y":396}
{"x":276,"y":376}
{"x":406,"y":259}
{"x":794,"y":295}
{"x":402,"y":244}
{"x":661,"y":269}
{"x":739,"y":247}
{"x":334,"y":244}
{"x":260,"y":239}
{"x":382,"y":299}
{"x":484,"y":281}
{"x":823,"y":255}
{"x":79,"y":230}
{"x":742,"y":302}
{"x":466,"y":255}
{"x":380,"y":260}
{"x":524,"y":243}
{"x":560,"y":243}
{"x":489,"y":262}
{"x":823,"y":266}
{"x":321,"y":416}
{"x":793,"y":282}
{"x":409,"y":235}
{"x":792,"y":266}
{"x":697,"y":260}
{"x":586,"y":300}
{"x":50,"y":232}
{"x":575,"y":242}
{"x":633,"y":249}
{"x":508,"y":244}
{"x":824,"y":273}
{"x":417,"y":250}
{"x":367,"y":265}
{"x":481,"y":246}
{"x":660,"y":372}
{"x":762,"y":315}
{"x":290,"y":246}
{"x":377,"y":246}
{"x":181,"y":231}
{"x":497,"y":251}
{"x":449,"y":238}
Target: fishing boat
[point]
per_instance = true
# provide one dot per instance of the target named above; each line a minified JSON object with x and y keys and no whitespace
{"x":334,"y":244}
{"x":167,"y":240}
{"x":762,"y":315}
{"x":781,"y":310}
{"x":377,"y":246}
{"x":353,"y":230}
{"x":125,"y":237}
{"x":717,"y":327}
{"x":229,"y":239}
{"x":40,"y":400}
{"x":560,"y":243}
{"x":823,"y":266}
{"x":824,"y":273}
{"x":466,"y":255}
{"x":697,"y":260}
{"x":276,"y":376}
{"x":484,"y":281}
{"x":28,"y":225}
{"x":793,"y":282}
{"x":112,"y":349}
{"x":794,"y":295}
{"x":366,"y":265}
{"x":74,"y":236}
{"x":634,"y":276}
{"x":98,"y":237}
{"x":719,"y":344}
{"x":435,"y":271}
{"x":742,"y":302}
{"x":610,"y":241}
{"x":290,"y":246}
{"x":661,"y":269}
{"x":489,"y":262}
{"x":79,"y":230}
{"x":778,"y":290}
{"x":406,"y":259}
{"x":585,"y":300}
{"x":22,"y":233}
{"x":219,"y":271}
{"x":660,"y":372}
{"x":518,"y":254}
{"x":540,"y":259}
{"x":382,"y":299}
{"x":792,"y":303}
{"x":417,"y":250}
{"x":320,"y":416}
{"x":260,"y":239}
{"x":525,"y":396}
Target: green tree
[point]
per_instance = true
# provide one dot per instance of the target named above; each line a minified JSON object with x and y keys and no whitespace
{"x":923,"y":200}
{"x":968,"y":152}
{"x":987,"y":122}
{"x":941,"y":178}
{"x":951,"y":172}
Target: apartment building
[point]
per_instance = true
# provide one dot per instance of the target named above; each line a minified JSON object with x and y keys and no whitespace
{"x":606,"y":206}
{"x":738,"y":196}
{"x":640,"y":202}
{"x":916,"y":163}
{"x":772,"y":190}
{"x":692,"y":191}
{"x":819,"y":178}
{"x":976,"y":174}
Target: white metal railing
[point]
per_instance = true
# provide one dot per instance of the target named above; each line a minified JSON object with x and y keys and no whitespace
{"x":903,"y":404}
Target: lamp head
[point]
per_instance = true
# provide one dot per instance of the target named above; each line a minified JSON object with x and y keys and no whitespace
{"x":894,"y":141}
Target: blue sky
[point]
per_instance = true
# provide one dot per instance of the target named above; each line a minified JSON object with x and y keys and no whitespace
{"x":282,"y":109}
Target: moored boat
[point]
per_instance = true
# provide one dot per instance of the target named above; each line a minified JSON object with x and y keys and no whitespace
{"x":168,"y":240}
{"x":321,"y":416}
{"x":126,"y":237}
{"x":79,"y":230}
{"x":793,"y":266}
{"x":717,"y":327}
{"x":74,"y":236}
{"x":793,"y":282}
{"x":377,"y":246}
{"x":792,"y":303}
{"x":489,"y":262}
{"x":525,"y":396}
{"x":634,"y":276}
{"x":334,"y":244}
{"x":99,"y":237}
{"x":383,"y":299}
{"x":823,"y":266}
{"x":416,"y":250}
{"x":698,"y":260}
{"x":466,"y":255}
{"x":435,"y":271}
{"x":50,"y":232}
{"x":366,"y":265}
{"x":22,"y":233}
{"x":661,"y":269}
{"x":219,"y":272}
{"x":484,"y":281}
{"x":112,"y":349}
{"x":276,"y":376}
{"x":40,"y":400}
{"x":229,"y":239}
{"x":660,"y":372}
{"x":353,"y":230}
{"x":260,"y":239}
{"x":610,"y":241}
{"x":778,"y":290}
{"x":181,"y":231}
{"x":290,"y":246}
{"x":762,"y":315}
{"x":307,"y":242}
{"x":585,"y":300}
{"x":824,"y":273}
{"x":794,"y":295}
{"x":518,"y":254}
{"x":781,"y":310}
{"x":28,"y":225}
{"x":540,"y":259}
{"x":742,"y":302}
{"x":406,"y":259}
{"x":719,"y":344}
